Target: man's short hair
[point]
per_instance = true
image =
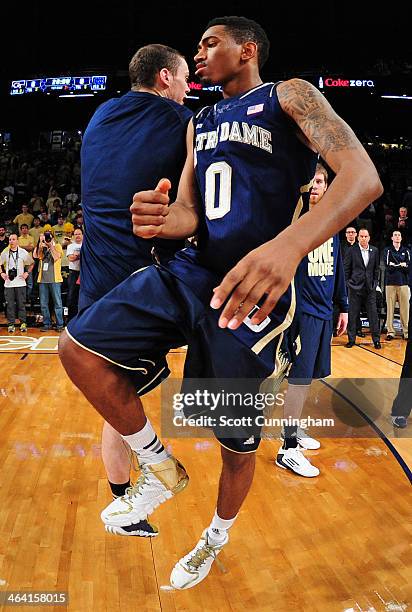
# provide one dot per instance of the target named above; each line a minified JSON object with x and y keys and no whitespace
{"x":24,"y":225}
{"x":244,"y":30}
{"x":320,"y":169}
{"x":148,"y":61}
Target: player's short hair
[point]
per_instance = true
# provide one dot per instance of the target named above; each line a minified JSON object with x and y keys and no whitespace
{"x":245,"y":30}
{"x":320,"y":169}
{"x":148,"y":61}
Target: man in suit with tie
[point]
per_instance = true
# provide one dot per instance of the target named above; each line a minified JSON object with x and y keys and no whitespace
{"x":362,"y":275}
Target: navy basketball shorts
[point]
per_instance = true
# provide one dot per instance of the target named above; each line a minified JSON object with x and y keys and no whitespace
{"x":314,"y":358}
{"x":156,"y":309}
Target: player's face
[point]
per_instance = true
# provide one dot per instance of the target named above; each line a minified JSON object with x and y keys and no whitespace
{"x":218,"y":56}
{"x":318,"y":189}
{"x":396,"y":237}
{"x":178,"y":86}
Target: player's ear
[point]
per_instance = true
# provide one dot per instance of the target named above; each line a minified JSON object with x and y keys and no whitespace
{"x":164,"y":76}
{"x":249,"y":50}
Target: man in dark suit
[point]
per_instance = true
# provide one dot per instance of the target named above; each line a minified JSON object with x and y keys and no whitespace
{"x":362,"y":275}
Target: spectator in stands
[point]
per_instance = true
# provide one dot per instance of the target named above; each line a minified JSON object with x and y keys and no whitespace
{"x":57,"y":212}
{"x":44,"y":218}
{"x":26,"y":242}
{"x":16,"y":264}
{"x":49,"y":254}
{"x":51,"y":201}
{"x":36,"y":202}
{"x":397,"y":261}
{"x":78,"y":221}
{"x":36,"y":230}
{"x":73,"y":255}
{"x":24,"y":217}
{"x":58,"y":230}
{"x":11,"y":227}
{"x":72,"y":197}
{"x":4,"y":239}
{"x":362,"y":275}
{"x":403,"y":225}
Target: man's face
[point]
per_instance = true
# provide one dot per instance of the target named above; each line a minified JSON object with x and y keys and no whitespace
{"x":2,"y":231}
{"x":78,"y":236}
{"x":60,"y":221}
{"x":25,"y":209}
{"x":178,"y":84}
{"x":318,"y":189}
{"x":13,"y":241}
{"x":364,"y":238}
{"x":396,"y":238}
{"x":403,"y":213}
{"x":24,"y":230}
{"x":351,"y":234}
{"x":36,"y":222}
{"x":219,"y":56}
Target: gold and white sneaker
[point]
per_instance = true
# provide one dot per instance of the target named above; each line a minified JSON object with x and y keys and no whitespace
{"x":196,"y":565}
{"x":156,"y":484}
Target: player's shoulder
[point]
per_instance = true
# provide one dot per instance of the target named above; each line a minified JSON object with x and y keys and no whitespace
{"x":295,"y":90}
{"x":180,"y":111}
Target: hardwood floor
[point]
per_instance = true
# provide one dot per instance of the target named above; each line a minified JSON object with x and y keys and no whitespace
{"x":339,"y":542}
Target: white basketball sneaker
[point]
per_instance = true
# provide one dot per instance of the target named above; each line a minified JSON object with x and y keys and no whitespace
{"x":196,"y":565}
{"x":293,"y":459}
{"x":156,"y":484}
{"x":304,"y":439}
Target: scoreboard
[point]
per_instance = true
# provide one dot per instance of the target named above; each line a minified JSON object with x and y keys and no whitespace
{"x":80,"y":84}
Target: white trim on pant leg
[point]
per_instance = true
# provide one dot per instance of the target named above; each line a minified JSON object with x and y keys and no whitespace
{"x":150,"y":382}
{"x":144,"y":370}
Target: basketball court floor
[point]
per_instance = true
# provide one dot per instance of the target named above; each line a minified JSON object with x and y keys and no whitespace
{"x":339,"y":542}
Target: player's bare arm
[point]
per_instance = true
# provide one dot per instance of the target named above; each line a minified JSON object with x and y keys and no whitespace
{"x":267,"y":270}
{"x":151,"y":214}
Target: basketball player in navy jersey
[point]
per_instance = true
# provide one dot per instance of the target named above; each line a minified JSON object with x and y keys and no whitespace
{"x":323,"y":285}
{"x":130,"y":142}
{"x":250,"y":162}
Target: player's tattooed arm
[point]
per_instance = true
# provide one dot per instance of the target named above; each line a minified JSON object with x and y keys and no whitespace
{"x":265,"y":272}
{"x":323,"y":128}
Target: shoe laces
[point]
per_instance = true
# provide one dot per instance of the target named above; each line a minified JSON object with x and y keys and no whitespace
{"x":136,"y":488}
{"x":301,"y":432}
{"x":201,"y":555}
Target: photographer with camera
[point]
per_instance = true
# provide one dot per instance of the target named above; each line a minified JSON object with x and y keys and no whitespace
{"x":49,"y":254}
{"x":16,"y":265}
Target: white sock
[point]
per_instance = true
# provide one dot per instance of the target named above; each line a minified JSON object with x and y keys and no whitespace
{"x":147,"y":445}
{"x":218,"y":528}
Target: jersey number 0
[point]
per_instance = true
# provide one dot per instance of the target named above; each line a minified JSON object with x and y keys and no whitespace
{"x":222,"y":170}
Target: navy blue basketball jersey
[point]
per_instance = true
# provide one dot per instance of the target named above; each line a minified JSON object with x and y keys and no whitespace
{"x":253,"y":173}
{"x":323,"y":281}
{"x":130,"y":143}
